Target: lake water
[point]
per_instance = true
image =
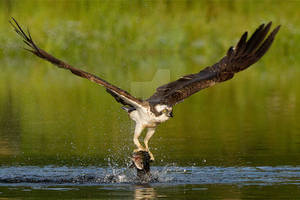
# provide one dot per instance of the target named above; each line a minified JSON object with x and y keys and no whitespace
{"x":167,"y":182}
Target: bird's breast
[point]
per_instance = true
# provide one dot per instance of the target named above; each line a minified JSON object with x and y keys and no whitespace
{"x":145,"y":117}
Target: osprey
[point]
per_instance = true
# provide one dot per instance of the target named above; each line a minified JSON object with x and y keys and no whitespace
{"x":158,"y":108}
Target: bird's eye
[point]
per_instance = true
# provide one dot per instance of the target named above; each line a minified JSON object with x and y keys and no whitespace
{"x":165,"y":111}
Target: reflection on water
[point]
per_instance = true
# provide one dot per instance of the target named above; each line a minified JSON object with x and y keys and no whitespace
{"x":171,"y":192}
{"x":9,"y":125}
{"x":144,"y":192}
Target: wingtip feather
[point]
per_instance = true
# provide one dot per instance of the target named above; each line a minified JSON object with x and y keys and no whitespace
{"x":26,"y":37}
{"x":267,"y":43}
{"x":241,"y":44}
{"x":277,"y":29}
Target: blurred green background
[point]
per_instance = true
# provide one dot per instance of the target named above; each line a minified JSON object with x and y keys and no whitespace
{"x":48,"y":116}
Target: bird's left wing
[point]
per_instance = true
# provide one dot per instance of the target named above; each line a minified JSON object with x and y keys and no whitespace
{"x":237,"y":59}
{"x":120,"y":95}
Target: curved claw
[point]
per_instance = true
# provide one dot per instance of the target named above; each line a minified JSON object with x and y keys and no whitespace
{"x":151,"y":155}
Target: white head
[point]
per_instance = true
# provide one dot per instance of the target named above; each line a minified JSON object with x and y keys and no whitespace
{"x":165,"y":111}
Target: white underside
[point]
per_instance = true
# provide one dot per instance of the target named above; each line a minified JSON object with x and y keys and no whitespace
{"x":144,"y":117}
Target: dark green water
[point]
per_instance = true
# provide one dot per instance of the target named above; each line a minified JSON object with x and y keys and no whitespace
{"x":64,"y":137}
{"x":156,"y":192}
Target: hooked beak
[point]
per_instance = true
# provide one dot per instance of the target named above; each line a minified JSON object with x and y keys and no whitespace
{"x":170,"y":114}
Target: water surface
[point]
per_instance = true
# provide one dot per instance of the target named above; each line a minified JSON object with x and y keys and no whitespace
{"x":166,"y":182}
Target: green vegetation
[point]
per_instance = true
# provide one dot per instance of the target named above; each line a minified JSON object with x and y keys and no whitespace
{"x":48,"y":116}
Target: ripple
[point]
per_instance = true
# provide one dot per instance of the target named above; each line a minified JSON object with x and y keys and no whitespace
{"x":52,"y":175}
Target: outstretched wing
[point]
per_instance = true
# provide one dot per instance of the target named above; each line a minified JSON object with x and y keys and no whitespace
{"x":237,"y":59}
{"x":120,"y":95}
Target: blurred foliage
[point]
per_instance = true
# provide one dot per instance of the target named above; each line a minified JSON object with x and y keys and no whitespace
{"x":48,"y":116}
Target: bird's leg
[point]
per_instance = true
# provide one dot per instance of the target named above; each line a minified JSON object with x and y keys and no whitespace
{"x":146,"y":140}
{"x":137,"y":132}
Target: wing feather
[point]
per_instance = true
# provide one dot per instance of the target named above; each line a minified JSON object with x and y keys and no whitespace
{"x":237,"y":59}
{"x":120,"y":95}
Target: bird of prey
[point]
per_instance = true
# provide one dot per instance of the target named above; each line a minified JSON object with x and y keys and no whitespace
{"x":158,"y":108}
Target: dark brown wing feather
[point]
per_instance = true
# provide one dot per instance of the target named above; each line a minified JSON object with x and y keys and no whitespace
{"x":120,"y":95}
{"x":237,"y":59}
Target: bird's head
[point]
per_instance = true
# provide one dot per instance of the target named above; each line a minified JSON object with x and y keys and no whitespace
{"x":164,"y":110}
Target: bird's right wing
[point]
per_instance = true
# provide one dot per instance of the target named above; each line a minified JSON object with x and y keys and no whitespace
{"x":237,"y":59}
{"x":120,"y":95}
